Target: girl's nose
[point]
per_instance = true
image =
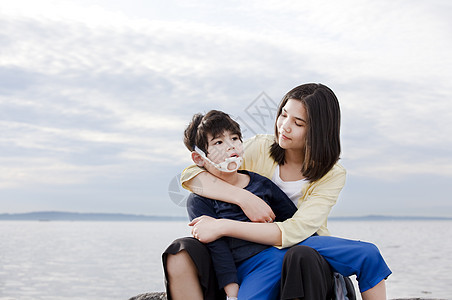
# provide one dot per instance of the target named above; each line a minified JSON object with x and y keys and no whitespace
{"x":285,"y":126}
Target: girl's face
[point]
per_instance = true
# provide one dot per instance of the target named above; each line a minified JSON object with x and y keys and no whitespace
{"x":292,"y":126}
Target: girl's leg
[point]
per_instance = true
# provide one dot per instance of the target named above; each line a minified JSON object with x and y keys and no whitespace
{"x":349,"y":257}
{"x":306,"y":275}
{"x":260,"y":275}
{"x":376,"y":293}
{"x":189,"y":271}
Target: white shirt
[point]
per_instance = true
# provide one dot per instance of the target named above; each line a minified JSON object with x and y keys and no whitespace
{"x":291,"y":188}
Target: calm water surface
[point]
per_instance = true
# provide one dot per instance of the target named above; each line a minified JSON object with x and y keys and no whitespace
{"x":117,"y":260}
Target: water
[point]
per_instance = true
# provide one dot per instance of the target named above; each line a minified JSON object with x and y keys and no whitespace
{"x":417,"y":252}
{"x":118,"y":260}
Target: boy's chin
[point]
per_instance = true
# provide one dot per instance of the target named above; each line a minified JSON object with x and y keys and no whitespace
{"x":232,"y":166}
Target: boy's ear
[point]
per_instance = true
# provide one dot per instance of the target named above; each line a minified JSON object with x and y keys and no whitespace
{"x":197,"y":159}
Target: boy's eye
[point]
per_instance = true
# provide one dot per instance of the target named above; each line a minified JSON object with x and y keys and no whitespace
{"x":218,"y":143}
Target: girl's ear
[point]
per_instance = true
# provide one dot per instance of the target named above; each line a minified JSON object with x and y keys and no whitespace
{"x":197,"y":159}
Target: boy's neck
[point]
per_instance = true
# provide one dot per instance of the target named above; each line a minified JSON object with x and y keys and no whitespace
{"x":234,"y":178}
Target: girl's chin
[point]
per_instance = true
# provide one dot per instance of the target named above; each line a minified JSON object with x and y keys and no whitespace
{"x":282,"y":142}
{"x":284,"y":147}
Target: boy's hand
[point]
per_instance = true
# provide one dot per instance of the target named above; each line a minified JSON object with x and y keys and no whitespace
{"x":206,"y":229}
{"x":256,"y":209}
{"x":232,"y":290}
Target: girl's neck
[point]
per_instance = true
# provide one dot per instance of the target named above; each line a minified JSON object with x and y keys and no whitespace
{"x":291,"y":169}
{"x":292,"y":157}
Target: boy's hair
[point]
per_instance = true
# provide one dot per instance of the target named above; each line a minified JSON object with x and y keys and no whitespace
{"x":323,"y":146}
{"x":215,"y":122}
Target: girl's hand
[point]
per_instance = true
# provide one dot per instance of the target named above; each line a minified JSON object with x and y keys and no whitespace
{"x":205,"y":229}
{"x":256,"y":209}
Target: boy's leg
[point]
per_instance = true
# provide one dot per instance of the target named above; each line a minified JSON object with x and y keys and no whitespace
{"x":349,"y":257}
{"x":199,"y":259}
{"x":260,"y":275}
{"x":182,"y":277}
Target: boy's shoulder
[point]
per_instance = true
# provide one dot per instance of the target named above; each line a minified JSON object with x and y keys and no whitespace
{"x":255,"y":177}
{"x":192,"y":198}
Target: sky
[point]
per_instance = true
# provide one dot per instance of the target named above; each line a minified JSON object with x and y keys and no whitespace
{"x":95,"y":95}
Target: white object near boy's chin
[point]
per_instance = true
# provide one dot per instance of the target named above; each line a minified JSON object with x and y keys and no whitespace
{"x":223,"y":166}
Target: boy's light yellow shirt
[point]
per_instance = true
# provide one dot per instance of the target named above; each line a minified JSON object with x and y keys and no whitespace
{"x":314,"y":205}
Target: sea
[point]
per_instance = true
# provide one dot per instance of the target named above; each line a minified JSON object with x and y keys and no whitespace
{"x":118,"y":260}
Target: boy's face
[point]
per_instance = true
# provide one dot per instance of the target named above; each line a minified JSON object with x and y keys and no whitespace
{"x":224,"y":146}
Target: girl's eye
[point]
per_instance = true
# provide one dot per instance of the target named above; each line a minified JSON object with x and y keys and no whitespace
{"x":299,"y":125}
{"x":218,"y":143}
{"x":235,"y":138}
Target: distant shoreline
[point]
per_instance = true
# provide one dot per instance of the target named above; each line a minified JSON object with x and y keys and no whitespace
{"x":74,"y":216}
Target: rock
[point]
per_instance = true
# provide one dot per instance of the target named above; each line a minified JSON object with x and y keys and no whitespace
{"x":162,"y":296}
{"x":150,"y":296}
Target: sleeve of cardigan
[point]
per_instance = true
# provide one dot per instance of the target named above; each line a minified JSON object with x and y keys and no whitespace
{"x":188,"y":174}
{"x":314,"y":210}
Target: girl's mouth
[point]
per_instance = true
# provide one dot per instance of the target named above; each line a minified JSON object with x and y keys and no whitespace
{"x":284,"y":137}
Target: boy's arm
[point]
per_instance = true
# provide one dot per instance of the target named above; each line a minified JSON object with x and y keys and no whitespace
{"x":280,"y":203}
{"x":207,"y":185}
{"x":222,"y":259}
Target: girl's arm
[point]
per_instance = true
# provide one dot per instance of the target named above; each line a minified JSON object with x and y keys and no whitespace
{"x":209,"y":186}
{"x":310,"y":217}
{"x":313,"y":208}
{"x":207,"y":229}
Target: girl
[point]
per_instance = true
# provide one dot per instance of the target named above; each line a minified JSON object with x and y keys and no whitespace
{"x":302,"y":160}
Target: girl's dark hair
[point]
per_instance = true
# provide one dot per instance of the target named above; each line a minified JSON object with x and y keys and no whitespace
{"x":215,"y":122}
{"x":323,"y":146}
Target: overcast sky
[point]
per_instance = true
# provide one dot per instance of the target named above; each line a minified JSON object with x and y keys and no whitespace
{"x":95,"y":95}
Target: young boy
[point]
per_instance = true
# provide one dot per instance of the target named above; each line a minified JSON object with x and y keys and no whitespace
{"x":216,"y":144}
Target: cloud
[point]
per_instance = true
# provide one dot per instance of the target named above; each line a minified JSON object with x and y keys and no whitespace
{"x":95,"y":88}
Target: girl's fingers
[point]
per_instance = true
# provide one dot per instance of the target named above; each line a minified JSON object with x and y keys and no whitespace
{"x":194,"y":221}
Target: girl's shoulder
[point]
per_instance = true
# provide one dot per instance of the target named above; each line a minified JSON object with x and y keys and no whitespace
{"x":257,"y":155}
{"x":337,"y":174}
{"x":260,"y":140}
{"x":338,"y":168}
{"x":259,"y":145}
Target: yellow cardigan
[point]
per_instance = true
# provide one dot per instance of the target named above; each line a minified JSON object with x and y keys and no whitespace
{"x":314,"y":205}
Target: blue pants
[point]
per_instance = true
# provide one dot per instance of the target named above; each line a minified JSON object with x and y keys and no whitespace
{"x":349,"y":257}
{"x":260,"y":275}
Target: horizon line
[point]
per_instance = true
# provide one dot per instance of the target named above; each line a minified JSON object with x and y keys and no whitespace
{"x":111,"y":214}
